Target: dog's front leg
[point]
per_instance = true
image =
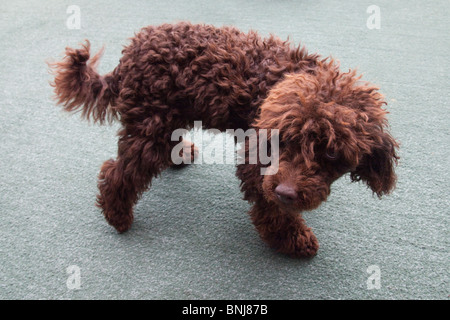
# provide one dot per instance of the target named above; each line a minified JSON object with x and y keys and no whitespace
{"x":284,"y":231}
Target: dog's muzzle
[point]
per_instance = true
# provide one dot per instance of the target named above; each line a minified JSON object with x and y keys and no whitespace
{"x":286,"y":194}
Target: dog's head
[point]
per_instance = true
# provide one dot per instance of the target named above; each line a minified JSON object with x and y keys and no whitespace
{"x":329,"y":124}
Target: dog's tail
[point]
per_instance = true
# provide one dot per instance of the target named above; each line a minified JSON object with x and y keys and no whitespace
{"x":78,"y":86}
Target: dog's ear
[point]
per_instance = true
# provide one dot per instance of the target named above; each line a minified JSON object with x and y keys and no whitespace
{"x":377,"y":167}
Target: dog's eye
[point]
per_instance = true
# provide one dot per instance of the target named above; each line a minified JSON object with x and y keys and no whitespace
{"x":331,"y":154}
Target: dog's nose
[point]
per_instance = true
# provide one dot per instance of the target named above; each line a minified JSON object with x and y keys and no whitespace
{"x":285,"y":193}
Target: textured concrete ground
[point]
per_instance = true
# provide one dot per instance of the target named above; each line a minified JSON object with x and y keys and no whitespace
{"x":192,"y":238}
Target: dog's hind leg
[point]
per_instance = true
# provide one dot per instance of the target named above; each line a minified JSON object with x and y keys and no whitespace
{"x":122,"y":181}
{"x":187,"y":153}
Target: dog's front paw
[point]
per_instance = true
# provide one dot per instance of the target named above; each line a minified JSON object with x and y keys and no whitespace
{"x":301,"y":244}
{"x":304,"y":245}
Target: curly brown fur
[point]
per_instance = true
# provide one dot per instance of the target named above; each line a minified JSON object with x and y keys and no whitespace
{"x":170,"y":75}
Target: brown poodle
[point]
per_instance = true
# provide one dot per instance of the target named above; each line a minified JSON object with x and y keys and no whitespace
{"x":329,"y":122}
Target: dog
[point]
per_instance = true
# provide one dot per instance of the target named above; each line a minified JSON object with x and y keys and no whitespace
{"x":329,"y":122}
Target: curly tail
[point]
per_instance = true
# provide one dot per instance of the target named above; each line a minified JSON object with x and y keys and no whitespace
{"x":78,"y":86}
